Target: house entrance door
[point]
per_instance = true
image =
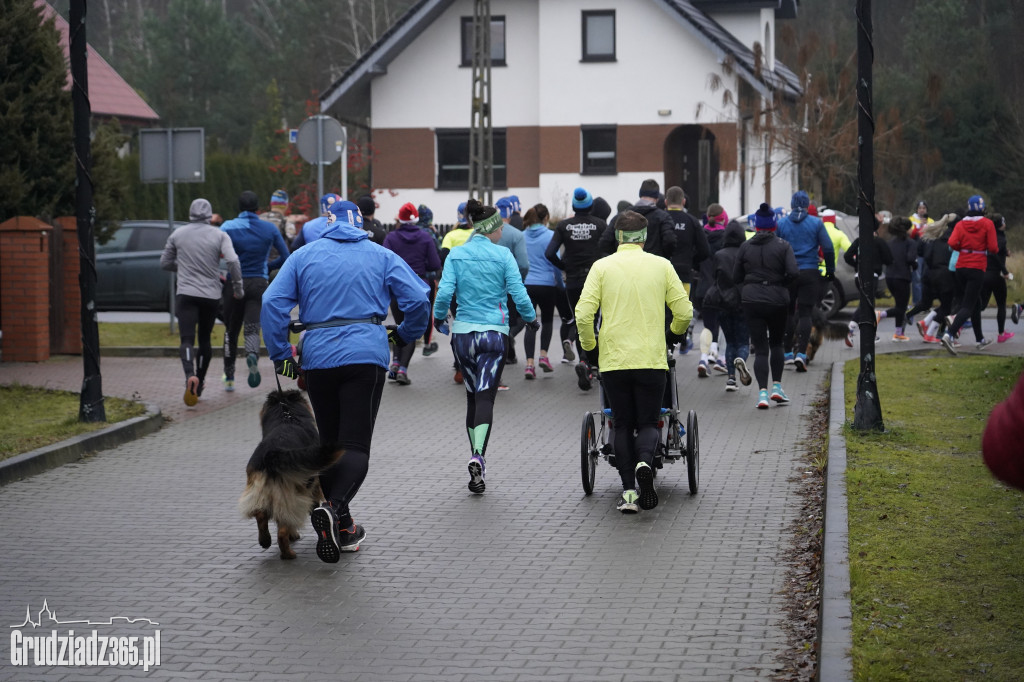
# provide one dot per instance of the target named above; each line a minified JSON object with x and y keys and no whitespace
{"x":691,"y":162}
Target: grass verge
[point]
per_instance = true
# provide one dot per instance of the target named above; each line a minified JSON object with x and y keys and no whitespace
{"x":937,"y":583}
{"x":156,"y":334}
{"x":31,"y":418}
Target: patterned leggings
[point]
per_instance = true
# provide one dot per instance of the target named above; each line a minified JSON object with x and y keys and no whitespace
{"x":481,"y":358}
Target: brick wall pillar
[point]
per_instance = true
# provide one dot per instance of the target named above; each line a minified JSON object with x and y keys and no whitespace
{"x":25,"y":289}
{"x":70,"y":342}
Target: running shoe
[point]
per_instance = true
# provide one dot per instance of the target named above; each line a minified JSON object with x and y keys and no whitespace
{"x":567,"y":361}
{"x":688,"y":346}
{"x":778,"y":395}
{"x":502,"y":386}
{"x":477,"y":469}
{"x":1004,"y":337}
{"x":930,"y":339}
{"x":627,"y":503}
{"x":789,"y":358}
{"x":741,"y":367}
{"x":393,"y":371}
{"x":567,"y":354}
{"x":583,"y":376}
{"x":429,"y":349}
{"x":229,"y":383}
{"x":967,"y":324}
{"x":730,"y":385}
{"x":719,"y":366}
{"x":530,"y":372}
{"x":899,"y":338}
{"x":800,"y":362}
{"x":402,"y":378}
{"x":545,"y":364}
{"x":192,"y":391}
{"x":702,"y":369}
{"x":645,"y":486}
{"x":1015,"y":312}
{"x":252,"y":360}
{"x":878,"y":318}
{"x":458,"y":377}
{"x":849,"y":340}
{"x":922,"y":328}
{"x":983,"y":344}
{"x":326,"y":526}
{"x":762,"y":399}
{"x":947,"y":342}
{"x":350,"y":538}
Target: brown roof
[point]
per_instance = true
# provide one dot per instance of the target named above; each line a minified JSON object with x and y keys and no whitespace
{"x":109,"y":94}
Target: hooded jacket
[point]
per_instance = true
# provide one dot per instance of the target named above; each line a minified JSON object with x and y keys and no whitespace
{"x":482,"y":276}
{"x":724,"y":264}
{"x":765,"y":265}
{"x":661,"y":231}
{"x":904,"y":259}
{"x":415,"y":246}
{"x":581,"y":237}
{"x":252,"y":239}
{"x":342,"y":275}
{"x":706,"y":270}
{"x":194,"y":252}
{"x":691,"y":247}
{"x":542,"y":271}
{"x":974,"y":237}
{"x":806,"y":234}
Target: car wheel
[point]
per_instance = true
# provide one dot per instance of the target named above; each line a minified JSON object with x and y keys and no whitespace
{"x":832,"y":301}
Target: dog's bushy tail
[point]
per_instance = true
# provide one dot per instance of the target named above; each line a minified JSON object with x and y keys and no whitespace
{"x":833,"y":331}
{"x":299,"y":462}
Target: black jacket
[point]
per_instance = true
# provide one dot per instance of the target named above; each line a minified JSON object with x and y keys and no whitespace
{"x":661,"y":237}
{"x":580,"y":235}
{"x":904,"y":259}
{"x":691,"y":244}
{"x":706,"y":271}
{"x":883,"y":256}
{"x":723,"y":289}
{"x":765,"y":265}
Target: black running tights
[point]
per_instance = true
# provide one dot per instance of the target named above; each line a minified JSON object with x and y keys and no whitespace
{"x":970,"y":304}
{"x":544,"y":298}
{"x":767,"y":325}
{"x":635,"y":397}
{"x":193,"y":312}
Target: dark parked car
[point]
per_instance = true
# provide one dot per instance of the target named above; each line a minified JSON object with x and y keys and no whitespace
{"x":128,"y":274}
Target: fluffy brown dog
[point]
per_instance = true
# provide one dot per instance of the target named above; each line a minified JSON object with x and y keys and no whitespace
{"x":823,"y":329}
{"x":281,"y":477}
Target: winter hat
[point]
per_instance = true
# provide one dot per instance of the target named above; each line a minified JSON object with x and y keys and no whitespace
{"x":200,"y":211}
{"x":623,"y":206}
{"x":631,"y":228}
{"x":600,"y":209}
{"x":765,"y":218}
{"x":517,"y":206}
{"x":800,"y":200}
{"x":426,"y":216}
{"x":581,"y":199}
{"x":408,"y":214}
{"x":326,"y":201}
{"x":717,"y":217}
{"x":812,"y":210}
{"x":344,"y":212}
{"x":504,"y":206}
{"x":279,"y":198}
{"x":248,"y":201}
{"x":828,"y":216}
{"x":462,"y":213}
{"x":650,"y":188}
{"x":485,"y":219}
{"x":367,"y":206}
{"x":976,"y":204}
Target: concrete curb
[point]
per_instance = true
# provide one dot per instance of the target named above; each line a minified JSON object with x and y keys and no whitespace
{"x":71,"y":450}
{"x":835,"y":634}
{"x":164,"y":352}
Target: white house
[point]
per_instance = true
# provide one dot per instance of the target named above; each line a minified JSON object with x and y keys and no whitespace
{"x":594,"y":93}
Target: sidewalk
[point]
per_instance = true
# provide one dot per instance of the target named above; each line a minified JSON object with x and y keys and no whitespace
{"x":532,"y":581}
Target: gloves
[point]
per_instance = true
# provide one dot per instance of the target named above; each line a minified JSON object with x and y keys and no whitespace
{"x":441,"y":325}
{"x":286,"y":368}
{"x":673,"y":338}
{"x":829,"y":276}
{"x":534,"y":324}
{"x":393,"y":336}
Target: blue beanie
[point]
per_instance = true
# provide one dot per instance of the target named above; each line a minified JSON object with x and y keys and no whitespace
{"x":426,"y":215}
{"x":345,"y":212}
{"x":516,"y":205}
{"x":976,"y":204}
{"x":581,"y":198}
{"x":326,"y":201}
{"x":504,"y":206}
{"x":765,"y":218}
{"x":462,"y":213}
{"x":800,"y":200}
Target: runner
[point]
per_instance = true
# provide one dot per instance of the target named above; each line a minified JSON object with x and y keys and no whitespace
{"x":482,"y":276}
{"x":344,"y":352}
{"x":974,"y":237}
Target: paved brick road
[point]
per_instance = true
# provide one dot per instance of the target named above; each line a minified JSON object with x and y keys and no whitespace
{"x":532,"y":581}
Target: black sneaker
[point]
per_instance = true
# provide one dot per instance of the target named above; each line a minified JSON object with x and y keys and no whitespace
{"x":583,"y":376}
{"x":477,"y":471}
{"x":349,"y":538}
{"x":567,"y":353}
{"x":645,"y":486}
{"x":1015,"y":312}
{"x":429,"y":349}
{"x":325,"y":523}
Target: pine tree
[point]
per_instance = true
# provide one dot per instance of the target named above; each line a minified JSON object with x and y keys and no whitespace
{"x":36,"y":150}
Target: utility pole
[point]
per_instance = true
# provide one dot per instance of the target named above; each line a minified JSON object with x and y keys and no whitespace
{"x":481,"y":138}
{"x":867,"y":413}
{"x":91,"y":408}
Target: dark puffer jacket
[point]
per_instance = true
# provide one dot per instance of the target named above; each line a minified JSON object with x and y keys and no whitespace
{"x":661,"y":236}
{"x":765,"y":265}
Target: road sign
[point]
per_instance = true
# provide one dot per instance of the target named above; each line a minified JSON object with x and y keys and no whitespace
{"x":185,"y":147}
{"x":330,"y":138}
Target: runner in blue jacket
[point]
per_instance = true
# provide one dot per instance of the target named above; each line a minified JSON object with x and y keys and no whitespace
{"x":342,"y":283}
{"x":482,"y":275}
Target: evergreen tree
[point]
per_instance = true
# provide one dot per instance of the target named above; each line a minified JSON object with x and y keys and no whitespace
{"x":36,"y":150}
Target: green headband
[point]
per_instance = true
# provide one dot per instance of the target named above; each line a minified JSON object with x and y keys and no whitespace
{"x":489,"y":224}
{"x":631,"y":237}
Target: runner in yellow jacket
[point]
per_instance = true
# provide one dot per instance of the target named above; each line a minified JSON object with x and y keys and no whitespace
{"x":632,"y":288}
